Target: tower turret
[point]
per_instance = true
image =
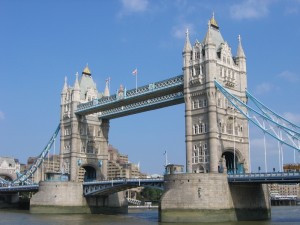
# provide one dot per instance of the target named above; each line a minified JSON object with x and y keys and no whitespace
{"x":240,"y":56}
{"x":64,"y":91}
{"x":187,"y":73}
{"x":76,"y":90}
{"x":187,"y":50}
{"x":106,"y":90}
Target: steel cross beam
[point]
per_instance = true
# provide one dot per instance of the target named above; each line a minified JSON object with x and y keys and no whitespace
{"x":152,"y":96}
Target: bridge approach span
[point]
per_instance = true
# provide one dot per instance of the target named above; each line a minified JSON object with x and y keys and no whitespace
{"x":112,"y":186}
{"x":20,"y":188}
{"x":265,"y":178}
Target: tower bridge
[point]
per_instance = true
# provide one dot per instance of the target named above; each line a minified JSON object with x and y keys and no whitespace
{"x":213,"y":88}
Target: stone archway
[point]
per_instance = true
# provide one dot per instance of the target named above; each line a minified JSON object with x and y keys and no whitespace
{"x":89,"y":173}
{"x":232,"y":159}
{"x":6,"y":177}
{"x":198,"y":168}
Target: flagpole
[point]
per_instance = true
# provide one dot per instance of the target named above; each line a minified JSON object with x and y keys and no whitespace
{"x":109,"y":84}
{"x":135,"y":73}
{"x":166,"y":158}
{"x":136,"y":81}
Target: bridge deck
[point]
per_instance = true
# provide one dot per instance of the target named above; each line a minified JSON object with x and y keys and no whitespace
{"x":112,"y":186}
{"x":265,"y":178}
{"x":108,"y":187}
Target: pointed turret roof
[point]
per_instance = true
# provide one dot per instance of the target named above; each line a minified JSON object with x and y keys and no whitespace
{"x":76,"y":85}
{"x":207,"y":38}
{"x":213,"y":22}
{"x":213,"y":34}
{"x":65,"y":88}
{"x":187,"y":45}
{"x":86,"y":82}
{"x":240,"y":50}
{"x":106,"y":90}
{"x":86,"y":70}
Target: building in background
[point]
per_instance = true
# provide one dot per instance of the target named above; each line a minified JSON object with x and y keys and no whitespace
{"x":50,"y":165}
{"x":120,"y":167}
{"x":286,"y":194}
{"x":9,"y":167}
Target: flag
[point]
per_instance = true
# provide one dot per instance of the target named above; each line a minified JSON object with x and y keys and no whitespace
{"x":134,"y":72}
{"x":165,"y":152}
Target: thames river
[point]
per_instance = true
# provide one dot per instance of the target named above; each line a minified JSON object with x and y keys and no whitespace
{"x":281,"y":215}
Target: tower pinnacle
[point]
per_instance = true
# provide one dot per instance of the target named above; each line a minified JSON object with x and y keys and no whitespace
{"x":187,"y":45}
{"x":240,"y":50}
{"x":213,"y":21}
{"x":76,"y":85}
{"x":208,"y":39}
{"x":65,"y":88}
{"x":106,"y":90}
{"x":86,"y":70}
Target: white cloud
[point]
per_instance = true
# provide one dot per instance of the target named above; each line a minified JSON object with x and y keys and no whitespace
{"x":179,"y":31}
{"x":2,"y":117}
{"x":133,"y":6}
{"x":263,"y":88}
{"x":289,"y":76}
{"x":292,"y":117}
{"x":250,"y":9}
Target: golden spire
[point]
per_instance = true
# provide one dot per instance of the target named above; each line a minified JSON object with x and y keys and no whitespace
{"x":213,"y":22}
{"x":87,"y":70}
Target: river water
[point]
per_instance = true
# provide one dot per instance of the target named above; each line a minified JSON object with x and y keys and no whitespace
{"x":281,"y":215}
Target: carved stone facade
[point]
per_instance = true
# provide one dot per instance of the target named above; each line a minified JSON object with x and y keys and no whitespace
{"x":216,"y":134}
{"x":84,"y":139}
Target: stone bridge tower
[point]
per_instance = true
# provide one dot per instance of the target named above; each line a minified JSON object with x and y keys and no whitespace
{"x":83,"y":139}
{"x":216,"y":134}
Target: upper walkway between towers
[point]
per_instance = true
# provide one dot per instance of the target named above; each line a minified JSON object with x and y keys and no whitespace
{"x":152,"y":96}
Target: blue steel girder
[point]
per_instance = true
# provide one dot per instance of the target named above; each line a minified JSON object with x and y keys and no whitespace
{"x":24,"y":178}
{"x":273,"y":115}
{"x":278,"y":177}
{"x":20,"y":188}
{"x":264,"y":120}
{"x":142,"y":106}
{"x":105,"y":188}
{"x":171,"y":89}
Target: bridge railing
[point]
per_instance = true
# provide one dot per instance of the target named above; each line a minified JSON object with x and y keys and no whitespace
{"x":273,"y":177}
{"x":19,"y":188}
{"x":142,"y":104}
{"x":114,"y":181}
{"x":172,"y":82}
{"x":107,"y":187}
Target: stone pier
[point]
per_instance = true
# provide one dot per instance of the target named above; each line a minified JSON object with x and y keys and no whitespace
{"x":200,"y":197}
{"x":67,"y":197}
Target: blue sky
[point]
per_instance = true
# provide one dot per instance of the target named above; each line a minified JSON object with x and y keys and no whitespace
{"x":41,"y":42}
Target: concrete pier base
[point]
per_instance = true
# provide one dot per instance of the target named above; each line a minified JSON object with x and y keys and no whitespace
{"x":67,"y":197}
{"x":208,"y":197}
